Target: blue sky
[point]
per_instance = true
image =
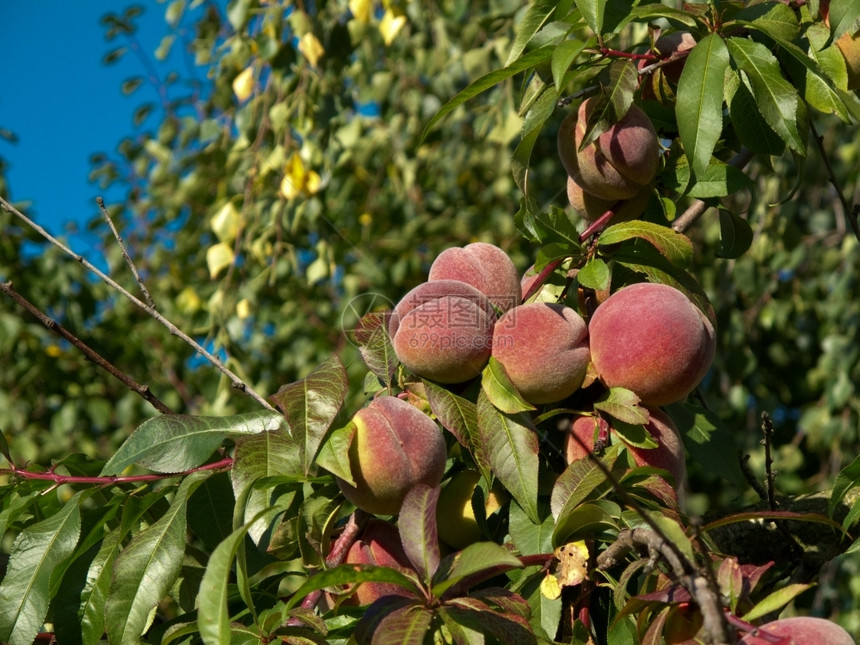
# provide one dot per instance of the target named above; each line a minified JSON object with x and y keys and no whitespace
{"x":64,"y":104}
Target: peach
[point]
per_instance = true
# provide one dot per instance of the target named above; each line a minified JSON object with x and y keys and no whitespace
{"x":651,"y":339}
{"x":395,"y":447}
{"x":799,"y":630}
{"x":484,"y":266}
{"x":379,"y":545}
{"x":443,"y":330}
{"x":668,"y":44}
{"x":591,"y":208}
{"x":619,"y":162}
{"x":455,"y":517}
{"x":668,"y":455}
{"x":544,"y":349}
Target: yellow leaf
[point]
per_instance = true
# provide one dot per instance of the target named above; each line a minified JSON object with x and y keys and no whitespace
{"x":218,"y":258}
{"x":549,"y":587}
{"x":54,"y":351}
{"x":225,"y":223}
{"x":361,"y":9}
{"x":365,"y":219}
{"x":312,"y":182}
{"x":188,"y":301}
{"x":311,"y":48}
{"x":298,"y":180}
{"x":391,"y":24}
{"x":243,"y":308}
{"x":243,"y":84}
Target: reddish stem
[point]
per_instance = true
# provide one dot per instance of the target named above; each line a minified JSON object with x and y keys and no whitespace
{"x":541,"y":279}
{"x":614,"y":53}
{"x":597,"y":225}
{"x":107,"y":480}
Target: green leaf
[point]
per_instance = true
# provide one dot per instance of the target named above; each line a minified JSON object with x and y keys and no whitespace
{"x":213,"y":613}
{"x":334,"y":453}
{"x":673,"y":531}
{"x":776,"y":98}
{"x":592,"y":11}
{"x":613,"y":103}
{"x":562,"y":58}
{"x":634,"y":434}
{"x":818,"y":68}
{"x":511,"y":445}
{"x":595,"y":275}
{"x":130,"y":85}
{"x":586,"y":520}
{"x":404,"y":626}
{"x":699,"y":103}
{"x":776,"y":601}
{"x":709,"y":441}
{"x":774,"y":19}
{"x":538,"y":13}
{"x":346,"y":574}
{"x":674,"y":246}
{"x":371,"y":333}
{"x":146,"y":569}
{"x":718,"y":179}
{"x":481,"y":618}
{"x":747,"y":121}
{"x":480,"y":558}
{"x":487,"y":81}
{"x":417,"y":524}
{"x":37,"y":551}
{"x":537,"y":116}
{"x":311,"y":404}
{"x":580,"y":481}
{"x":174,"y":443}
{"x":735,"y":235}
{"x":528,"y":537}
{"x":502,"y":393}
{"x":848,"y":478}
{"x":623,"y":405}
{"x":843,"y":15}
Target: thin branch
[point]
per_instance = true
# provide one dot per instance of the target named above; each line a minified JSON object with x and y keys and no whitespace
{"x":767,"y":430}
{"x":237,"y":382}
{"x":86,"y":350}
{"x":125,"y":255}
{"x":109,"y":480}
{"x":698,"y":207}
{"x":851,"y":213}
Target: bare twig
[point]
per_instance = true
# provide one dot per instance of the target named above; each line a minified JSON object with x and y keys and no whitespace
{"x":767,"y":430}
{"x":89,"y":352}
{"x":752,"y":480}
{"x":689,"y":217}
{"x":237,"y":382}
{"x":125,"y":255}
{"x":851,"y":213}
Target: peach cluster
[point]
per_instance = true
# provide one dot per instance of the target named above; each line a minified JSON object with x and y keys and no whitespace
{"x":612,"y":172}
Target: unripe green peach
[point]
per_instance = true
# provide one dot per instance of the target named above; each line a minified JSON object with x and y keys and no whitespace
{"x":619,"y":162}
{"x":591,"y":208}
{"x":455,"y":517}
{"x":799,"y":630}
{"x":668,"y":455}
{"x":379,"y":545}
{"x":395,"y":447}
{"x":443,"y":330}
{"x":484,"y":266}
{"x":651,"y":339}
{"x":544,"y":350}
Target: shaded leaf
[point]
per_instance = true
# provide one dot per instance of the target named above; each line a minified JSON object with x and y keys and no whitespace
{"x":774,"y":19}
{"x":622,"y":404}
{"x":417,"y":524}
{"x":674,"y":246}
{"x":311,"y":405}
{"x":735,"y":235}
{"x":580,"y":481}
{"x":477,"y":562}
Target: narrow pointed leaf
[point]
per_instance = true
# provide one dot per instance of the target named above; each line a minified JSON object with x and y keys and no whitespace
{"x":848,"y":478}
{"x":334,"y":453}
{"x":580,"y":480}
{"x":774,"y":19}
{"x":674,"y":246}
{"x":311,"y":405}
{"x":352,"y":574}
{"x":499,"y":389}
{"x":487,"y":81}
{"x":776,"y":98}
{"x":371,"y":334}
{"x":776,"y":601}
{"x":562,"y":58}
{"x":213,"y":612}
{"x":417,"y":524}
{"x":536,"y":16}
{"x":405,"y":626}
{"x":616,"y":99}
{"x":37,"y":551}
{"x":173,"y":443}
{"x":593,"y":11}
{"x":699,"y":105}
{"x":511,"y":444}
{"x":476,"y":562}
{"x":146,"y":569}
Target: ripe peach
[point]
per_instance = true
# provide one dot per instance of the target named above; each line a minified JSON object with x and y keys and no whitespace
{"x":443,"y":330}
{"x":677,"y":41}
{"x":544,"y":349}
{"x":668,"y":455}
{"x":591,"y":208}
{"x":484,"y":266}
{"x":455,"y":516}
{"x":800,"y":630}
{"x":395,"y":447}
{"x":651,"y":339}
{"x":619,"y":162}
{"x":379,"y":545}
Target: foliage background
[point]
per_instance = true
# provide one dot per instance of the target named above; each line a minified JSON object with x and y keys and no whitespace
{"x":264,"y":271}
